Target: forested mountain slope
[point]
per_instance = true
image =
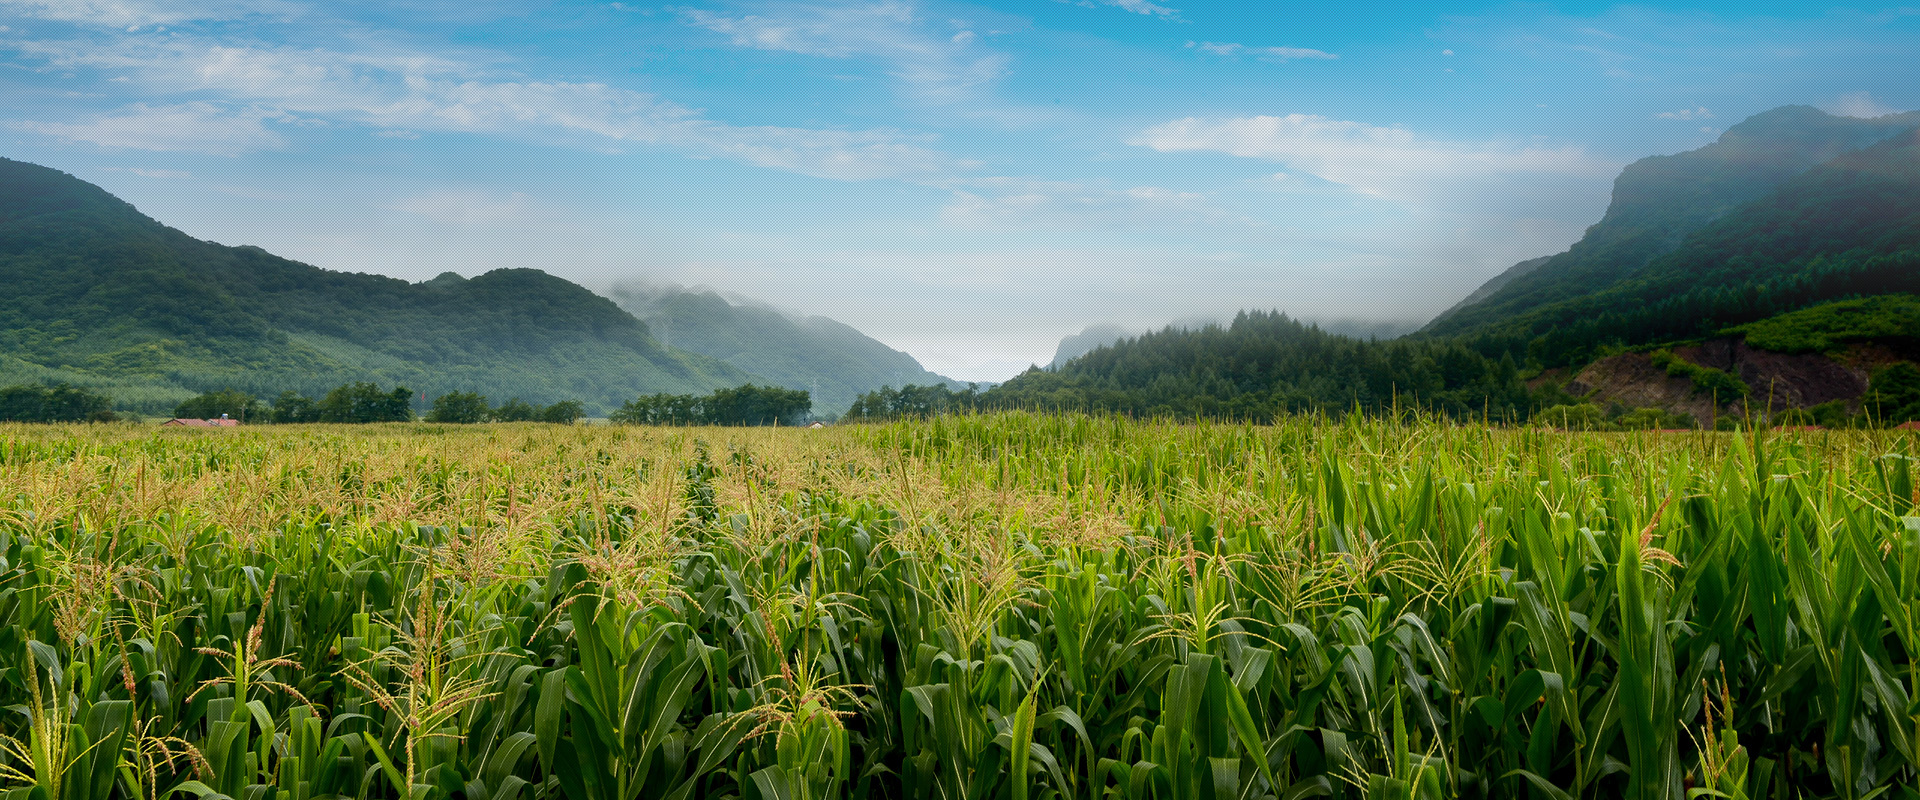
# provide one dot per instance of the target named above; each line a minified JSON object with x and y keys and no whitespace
{"x":1660,"y":200}
{"x":102,"y":295}
{"x":830,"y":359}
{"x":1677,"y":262}
{"x":1265,"y":363}
{"x":1849,"y":227}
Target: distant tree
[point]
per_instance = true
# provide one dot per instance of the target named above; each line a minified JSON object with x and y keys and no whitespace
{"x":756,"y":405}
{"x":742,"y":405}
{"x":658,"y":409}
{"x":912,"y":400}
{"x":565,"y":412}
{"x":56,"y":403}
{"x":23,"y":404}
{"x":364,"y":402}
{"x":397,"y":406}
{"x":291,"y":407}
{"x":460,"y":407}
{"x":516,"y":410}
{"x":68,"y":404}
{"x":236,"y":404}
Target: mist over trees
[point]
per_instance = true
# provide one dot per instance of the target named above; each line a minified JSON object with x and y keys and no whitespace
{"x":832,"y":361}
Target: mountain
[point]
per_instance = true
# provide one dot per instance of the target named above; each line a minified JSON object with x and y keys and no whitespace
{"x":1847,"y":228}
{"x":830,"y":359}
{"x":1660,"y":200}
{"x":1771,"y":269}
{"x":103,"y":296}
{"x":1086,"y":341}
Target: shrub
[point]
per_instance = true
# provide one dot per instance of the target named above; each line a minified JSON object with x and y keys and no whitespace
{"x":1574,"y":417}
{"x":1724,"y":387}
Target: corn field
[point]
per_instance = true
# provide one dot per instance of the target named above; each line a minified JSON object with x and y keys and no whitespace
{"x":1006,"y":606}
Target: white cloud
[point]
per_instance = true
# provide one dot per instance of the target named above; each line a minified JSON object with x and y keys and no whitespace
{"x":1272,"y":53}
{"x":1019,"y":204}
{"x":1135,"y":6}
{"x":1390,"y":163}
{"x":400,"y":93}
{"x":197,"y":127}
{"x":1700,"y":112}
{"x":1860,"y":104}
{"x":135,"y":13}
{"x":933,"y":64}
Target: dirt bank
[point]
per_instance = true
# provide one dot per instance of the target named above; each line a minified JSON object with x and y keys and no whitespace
{"x":1778,"y":381}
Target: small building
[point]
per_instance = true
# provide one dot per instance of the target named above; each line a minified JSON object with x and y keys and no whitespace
{"x":816,"y":425}
{"x":222,"y":422}
{"x":1908,"y":426}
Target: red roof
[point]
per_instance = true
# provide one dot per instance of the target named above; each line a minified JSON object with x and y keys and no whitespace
{"x":1908,"y":426}
{"x":203,"y":423}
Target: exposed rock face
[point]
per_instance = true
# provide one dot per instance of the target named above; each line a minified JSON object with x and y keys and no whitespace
{"x":1778,"y":381}
{"x":1631,"y":380}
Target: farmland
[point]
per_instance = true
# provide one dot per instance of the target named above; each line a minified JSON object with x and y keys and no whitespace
{"x":1002,"y":606}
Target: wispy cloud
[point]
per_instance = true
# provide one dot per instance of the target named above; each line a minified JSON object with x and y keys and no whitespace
{"x":1860,"y":104}
{"x":1135,"y":6}
{"x":933,"y":59}
{"x":401,"y":92}
{"x":197,"y":127}
{"x":1272,"y":53}
{"x":137,"y":13}
{"x":1699,"y":112}
{"x":1019,"y":204}
{"x":1389,"y":163}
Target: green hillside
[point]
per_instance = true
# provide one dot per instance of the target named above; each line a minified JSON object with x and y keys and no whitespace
{"x":103,"y":296}
{"x":1265,"y":363}
{"x":828,"y":358}
{"x":1847,"y":228}
{"x":1659,"y":201}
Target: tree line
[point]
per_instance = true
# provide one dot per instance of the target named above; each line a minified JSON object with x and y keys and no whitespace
{"x":362,"y":401}
{"x":747,"y":405}
{"x":1265,"y":364}
{"x":54,"y":403}
{"x":471,"y":407}
{"x":914,"y":400}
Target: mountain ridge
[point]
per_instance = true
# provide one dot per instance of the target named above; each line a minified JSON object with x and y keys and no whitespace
{"x":1659,"y":200}
{"x":1652,"y":325}
{"x":105,"y":295}
{"x":831,"y":359}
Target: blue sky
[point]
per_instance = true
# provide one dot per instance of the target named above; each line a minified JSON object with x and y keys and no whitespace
{"x":965,"y":181}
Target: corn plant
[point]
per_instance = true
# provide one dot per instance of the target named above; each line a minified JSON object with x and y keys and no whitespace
{"x":1004,"y":607}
